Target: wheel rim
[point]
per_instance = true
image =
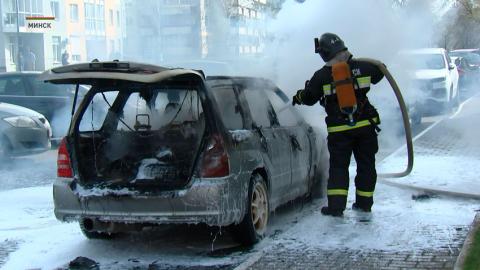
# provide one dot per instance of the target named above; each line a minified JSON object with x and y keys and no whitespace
{"x":259,"y":208}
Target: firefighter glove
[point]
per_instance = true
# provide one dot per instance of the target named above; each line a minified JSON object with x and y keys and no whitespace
{"x":297,"y":100}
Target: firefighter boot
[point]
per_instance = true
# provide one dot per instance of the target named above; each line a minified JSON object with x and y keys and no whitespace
{"x":326,"y":211}
{"x":358,"y":207}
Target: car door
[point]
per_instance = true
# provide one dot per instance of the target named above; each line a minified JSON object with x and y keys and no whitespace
{"x":291,"y":124}
{"x":275,"y":142}
{"x":453,"y":74}
{"x":231,"y":114}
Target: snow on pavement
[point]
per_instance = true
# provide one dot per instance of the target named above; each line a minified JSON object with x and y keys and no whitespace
{"x":28,"y":171}
{"x":397,"y":223}
{"x":26,"y":217}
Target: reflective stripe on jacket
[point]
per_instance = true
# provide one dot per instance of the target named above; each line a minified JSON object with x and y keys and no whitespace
{"x":359,"y":124}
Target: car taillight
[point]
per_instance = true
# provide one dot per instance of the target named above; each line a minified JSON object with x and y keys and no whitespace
{"x":64,"y":169}
{"x":215,"y":162}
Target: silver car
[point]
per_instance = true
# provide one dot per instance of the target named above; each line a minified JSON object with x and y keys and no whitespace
{"x":23,"y":131}
{"x":151,"y":145}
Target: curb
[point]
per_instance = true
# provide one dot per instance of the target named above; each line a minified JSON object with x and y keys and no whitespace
{"x":250,"y":261}
{"x":467,"y":244}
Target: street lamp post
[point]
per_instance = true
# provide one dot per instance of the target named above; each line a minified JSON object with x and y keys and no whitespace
{"x":18,"y":66}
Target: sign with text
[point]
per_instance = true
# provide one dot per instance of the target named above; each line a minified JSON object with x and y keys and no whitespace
{"x":39,"y":24}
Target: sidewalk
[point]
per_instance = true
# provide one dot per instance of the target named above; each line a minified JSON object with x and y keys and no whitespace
{"x":451,"y":147}
{"x":403,"y":232}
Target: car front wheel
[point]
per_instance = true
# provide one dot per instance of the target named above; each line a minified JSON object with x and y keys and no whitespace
{"x":254,"y":224}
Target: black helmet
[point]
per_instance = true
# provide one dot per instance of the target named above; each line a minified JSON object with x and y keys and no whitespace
{"x":328,"y":46}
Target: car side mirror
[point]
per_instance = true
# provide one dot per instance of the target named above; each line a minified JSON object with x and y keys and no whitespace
{"x":451,"y":66}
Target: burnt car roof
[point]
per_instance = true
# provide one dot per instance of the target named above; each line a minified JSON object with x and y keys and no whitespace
{"x":246,"y":81}
{"x":84,"y":73}
{"x":243,"y":80}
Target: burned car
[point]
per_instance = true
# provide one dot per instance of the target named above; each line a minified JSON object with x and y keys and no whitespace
{"x":150,"y":145}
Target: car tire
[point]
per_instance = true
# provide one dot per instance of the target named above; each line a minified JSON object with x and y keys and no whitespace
{"x":253,"y":226}
{"x":95,"y":234}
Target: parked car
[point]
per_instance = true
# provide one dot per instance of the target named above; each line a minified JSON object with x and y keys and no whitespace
{"x":152,"y":145}
{"x":53,"y":101}
{"x":468,"y":75}
{"x":471,"y":55}
{"x":23,"y":131}
{"x":435,"y":76}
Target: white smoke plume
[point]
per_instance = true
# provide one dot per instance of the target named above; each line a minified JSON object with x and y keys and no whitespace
{"x":370,"y":28}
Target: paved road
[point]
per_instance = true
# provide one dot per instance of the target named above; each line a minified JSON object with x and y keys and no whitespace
{"x":280,"y":250}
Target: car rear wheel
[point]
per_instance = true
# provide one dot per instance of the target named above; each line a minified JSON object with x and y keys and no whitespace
{"x":254,"y":224}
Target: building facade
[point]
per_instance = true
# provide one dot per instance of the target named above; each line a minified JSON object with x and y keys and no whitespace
{"x":81,"y":30}
{"x":155,"y":31}
{"x":166,"y":31}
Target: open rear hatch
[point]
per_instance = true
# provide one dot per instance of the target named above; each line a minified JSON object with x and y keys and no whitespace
{"x":144,"y":136}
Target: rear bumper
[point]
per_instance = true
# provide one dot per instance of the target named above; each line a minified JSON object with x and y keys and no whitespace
{"x":218,"y":202}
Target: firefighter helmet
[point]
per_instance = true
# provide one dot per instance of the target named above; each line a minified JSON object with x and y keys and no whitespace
{"x":328,"y":46}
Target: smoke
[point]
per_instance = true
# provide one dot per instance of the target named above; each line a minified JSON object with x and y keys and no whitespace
{"x":371,"y":28}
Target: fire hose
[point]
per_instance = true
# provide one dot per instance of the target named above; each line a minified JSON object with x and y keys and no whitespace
{"x":406,"y":120}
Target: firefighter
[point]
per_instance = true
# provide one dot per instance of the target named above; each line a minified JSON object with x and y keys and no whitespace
{"x":352,"y":122}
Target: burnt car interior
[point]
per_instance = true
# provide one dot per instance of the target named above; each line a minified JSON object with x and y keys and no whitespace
{"x":138,"y":135}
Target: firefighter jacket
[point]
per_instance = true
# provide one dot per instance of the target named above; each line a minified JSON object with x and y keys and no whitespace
{"x":321,"y":88}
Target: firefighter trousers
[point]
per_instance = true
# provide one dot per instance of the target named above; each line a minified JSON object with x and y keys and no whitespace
{"x":363,"y":143}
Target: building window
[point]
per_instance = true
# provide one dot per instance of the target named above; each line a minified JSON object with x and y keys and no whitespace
{"x":76,"y":58}
{"x":100,"y":17}
{"x":95,"y":17}
{"x":118,"y":18}
{"x":56,"y":49}
{"x":110,"y":13}
{"x":55,"y":9}
{"x":25,"y":8}
{"x":73,"y":12}
{"x":75,"y":48}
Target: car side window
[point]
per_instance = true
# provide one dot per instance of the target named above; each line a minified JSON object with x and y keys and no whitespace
{"x":12,"y":86}
{"x":3,"y":82}
{"x":284,"y":113}
{"x":261,"y":110}
{"x":41,"y":88}
{"x":170,"y":107}
{"x":94,"y":116}
{"x":229,"y":108}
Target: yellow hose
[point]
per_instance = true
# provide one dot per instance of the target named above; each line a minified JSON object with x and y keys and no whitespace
{"x":406,"y":121}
